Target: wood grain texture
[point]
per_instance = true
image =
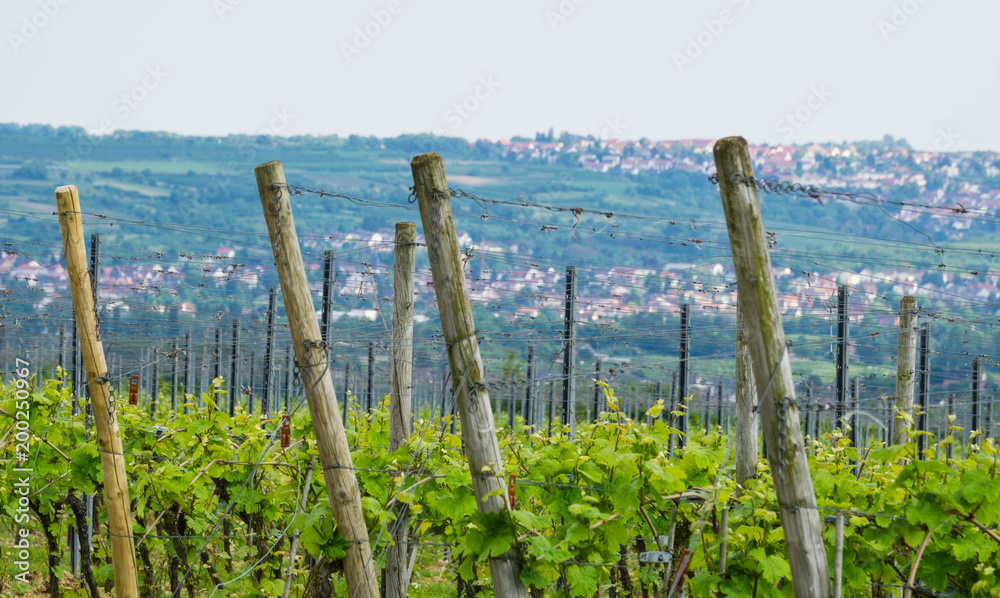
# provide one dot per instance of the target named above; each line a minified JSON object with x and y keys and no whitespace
{"x":771,"y":366}
{"x":400,"y":389}
{"x":451,"y":290}
{"x":334,"y":451}
{"x":95,"y":365}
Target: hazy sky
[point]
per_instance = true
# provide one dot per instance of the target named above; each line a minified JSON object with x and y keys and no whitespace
{"x":778,"y":70}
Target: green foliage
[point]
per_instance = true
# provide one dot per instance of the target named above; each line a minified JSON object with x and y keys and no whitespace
{"x":579,"y":503}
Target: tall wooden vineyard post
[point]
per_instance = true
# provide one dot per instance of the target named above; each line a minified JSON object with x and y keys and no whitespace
{"x":772,"y":371}
{"x":310,"y":351}
{"x":102,"y":402}
{"x":397,"y":577}
{"x":467,"y":376}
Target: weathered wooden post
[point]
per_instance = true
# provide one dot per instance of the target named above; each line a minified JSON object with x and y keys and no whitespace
{"x":906,"y":369}
{"x":311,"y":353}
{"x":772,"y":371}
{"x":397,"y":579}
{"x":102,"y":402}
{"x":746,"y":403}
{"x":468,"y":380}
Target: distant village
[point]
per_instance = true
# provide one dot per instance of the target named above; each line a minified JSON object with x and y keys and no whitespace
{"x":620,"y":291}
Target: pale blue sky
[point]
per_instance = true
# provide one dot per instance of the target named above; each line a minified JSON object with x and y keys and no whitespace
{"x":619,"y":69}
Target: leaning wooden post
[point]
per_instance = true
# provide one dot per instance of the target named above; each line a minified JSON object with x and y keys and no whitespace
{"x":906,"y":369}
{"x":772,"y":370}
{"x":468,"y":380}
{"x":99,"y":386}
{"x":400,"y":390}
{"x":310,"y":351}
{"x":746,"y":403}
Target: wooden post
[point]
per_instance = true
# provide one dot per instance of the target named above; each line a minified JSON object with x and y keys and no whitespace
{"x":906,"y":367}
{"x":310,"y":351}
{"x":108,"y":437}
{"x":724,"y":531}
{"x":838,"y":554}
{"x":772,"y":371}
{"x":451,"y":289}
{"x":746,"y":403}
{"x":400,"y":392}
